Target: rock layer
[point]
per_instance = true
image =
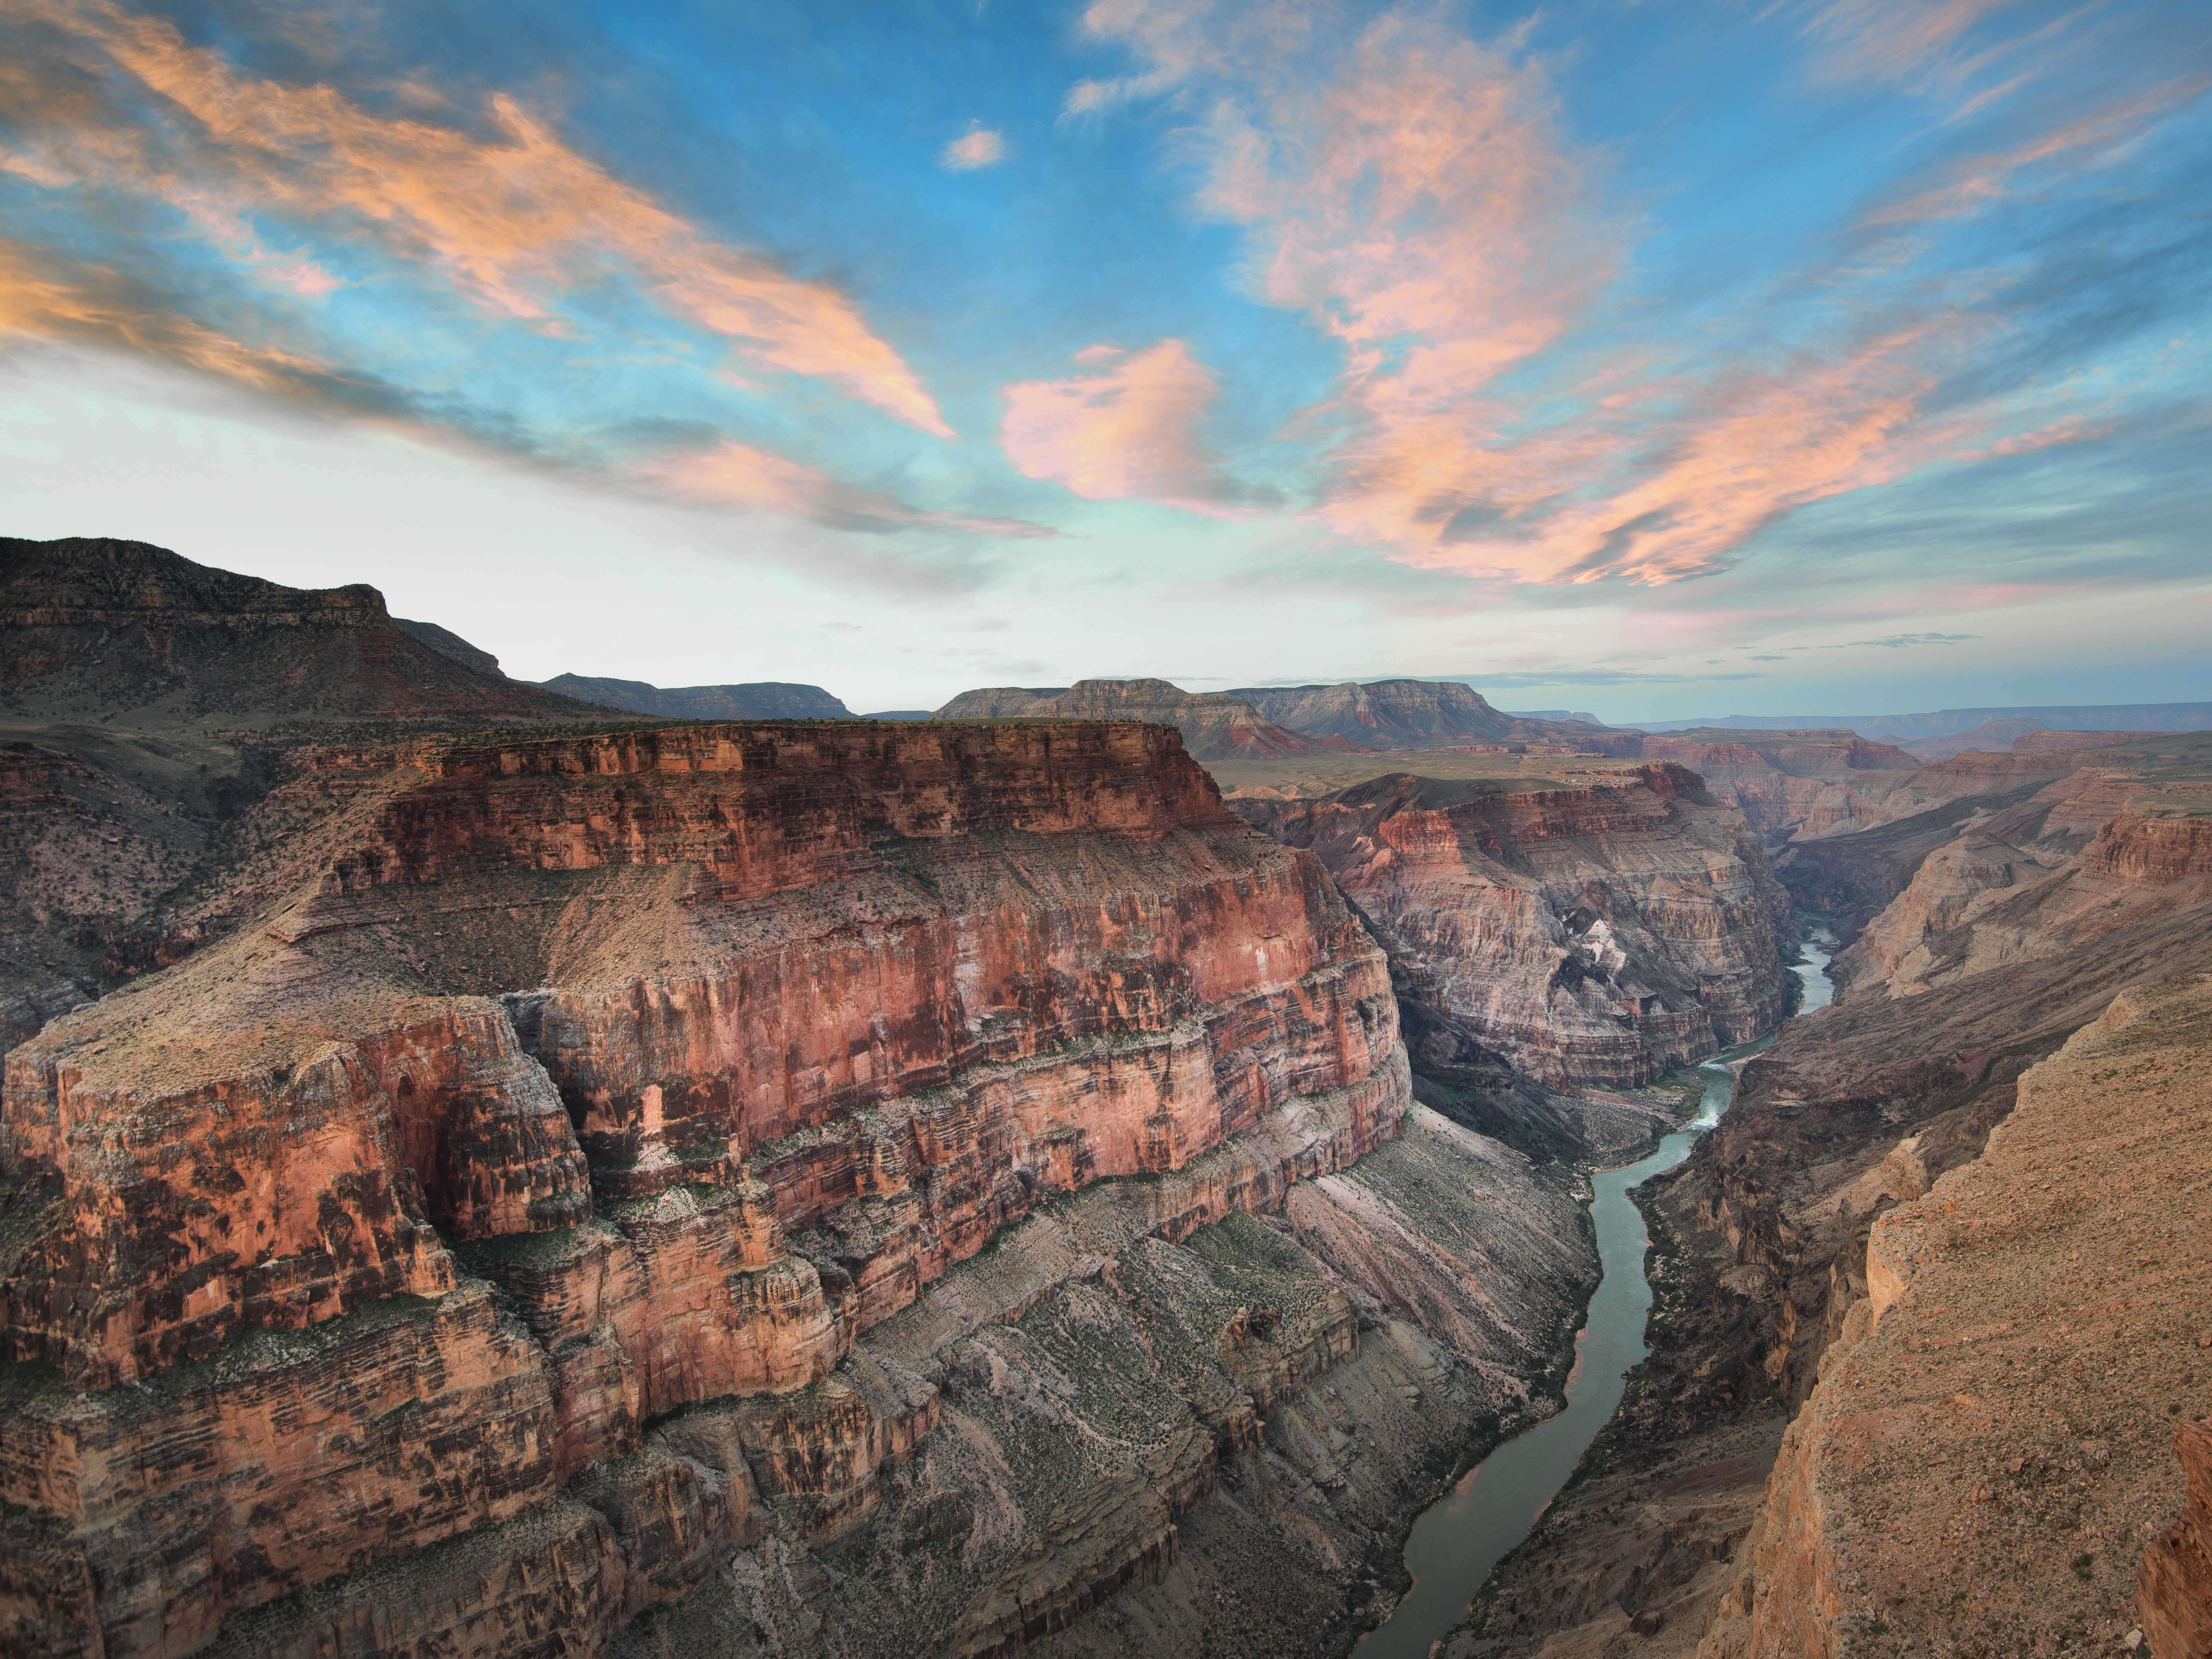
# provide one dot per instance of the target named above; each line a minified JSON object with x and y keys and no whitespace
{"x":1599,"y":935}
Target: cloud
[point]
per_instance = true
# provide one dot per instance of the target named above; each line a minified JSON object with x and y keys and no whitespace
{"x":1908,"y":41}
{"x":44,"y":297}
{"x":728,"y":473}
{"x":1125,"y":429}
{"x":1419,"y":203}
{"x":1900,"y":641}
{"x":1969,"y":184}
{"x":978,"y":147}
{"x":1171,"y":36}
{"x":511,"y":217}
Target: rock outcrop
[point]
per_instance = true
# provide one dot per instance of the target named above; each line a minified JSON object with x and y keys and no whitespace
{"x":2173,"y":1589}
{"x":900,"y":1187}
{"x":1599,"y":935}
{"x":1989,"y":1449}
{"x":1215,"y":725}
{"x":449,"y":644}
{"x":102,"y":630}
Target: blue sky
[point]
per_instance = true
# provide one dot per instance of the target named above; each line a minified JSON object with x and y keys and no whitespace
{"x":1840,"y":356}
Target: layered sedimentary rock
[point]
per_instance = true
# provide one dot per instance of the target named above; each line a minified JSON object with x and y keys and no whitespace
{"x":584,"y":1157}
{"x":1990,"y":1447}
{"x":1790,"y":783}
{"x":1215,"y":725}
{"x":1598,"y":935}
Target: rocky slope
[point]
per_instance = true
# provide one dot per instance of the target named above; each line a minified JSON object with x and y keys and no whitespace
{"x":1856,"y":1109}
{"x":1215,"y":726}
{"x":807,"y":1188}
{"x":766,"y":700}
{"x":97,"y":629}
{"x":1598,"y":935}
{"x":1990,"y":1449}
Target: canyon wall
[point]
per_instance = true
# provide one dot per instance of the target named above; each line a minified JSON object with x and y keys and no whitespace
{"x":731,"y":1171}
{"x":1990,"y":1448}
{"x":1598,"y":935}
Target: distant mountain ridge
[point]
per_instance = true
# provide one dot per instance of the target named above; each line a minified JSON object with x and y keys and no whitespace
{"x":1215,"y":725}
{"x":1382,"y":713}
{"x":1895,"y":728}
{"x":761,"y":700}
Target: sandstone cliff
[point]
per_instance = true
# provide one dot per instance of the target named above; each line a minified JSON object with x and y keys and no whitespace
{"x":1596,"y":935}
{"x":1989,"y":1450}
{"x":807,"y":1180}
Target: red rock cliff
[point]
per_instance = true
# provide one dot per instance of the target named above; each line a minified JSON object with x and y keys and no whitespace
{"x":710,"y":1049}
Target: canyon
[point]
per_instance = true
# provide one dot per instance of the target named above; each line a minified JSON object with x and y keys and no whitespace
{"x":528,"y":1182}
{"x":2035,"y":922}
{"x":483,"y":1172}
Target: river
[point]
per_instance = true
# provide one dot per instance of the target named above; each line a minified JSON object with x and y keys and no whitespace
{"x":1459,"y":1540}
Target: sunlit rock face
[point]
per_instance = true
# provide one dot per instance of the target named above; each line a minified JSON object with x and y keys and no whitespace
{"x":595,"y":1155}
{"x":1595,"y":935}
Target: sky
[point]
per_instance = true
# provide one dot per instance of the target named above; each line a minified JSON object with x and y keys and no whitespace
{"x":1654,"y":359}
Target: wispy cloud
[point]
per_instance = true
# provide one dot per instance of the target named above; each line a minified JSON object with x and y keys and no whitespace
{"x":1903,"y":641}
{"x":1125,"y":428}
{"x":728,"y":473}
{"x":978,"y":147}
{"x":513,"y":217}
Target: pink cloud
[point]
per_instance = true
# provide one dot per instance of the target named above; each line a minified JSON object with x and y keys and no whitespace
{"x":732,"y":474}
{"x":1126,"y":429}
{"x":1907,"y":40}
{"x":42,"y":298}
{"x":512,"y":221}
{"x":1968,"y":186}
{"x":978,"y":147}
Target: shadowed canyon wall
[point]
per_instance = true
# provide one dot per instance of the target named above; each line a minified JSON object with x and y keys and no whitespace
{"x":1598,"y":935}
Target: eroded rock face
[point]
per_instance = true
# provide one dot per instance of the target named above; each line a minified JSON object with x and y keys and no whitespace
{"x":552,"y":1140}
{"x":2173,"y":1589}
{"x":1989,"y":1448}
{"x":98,"y":627}
{"x":1599,"y":935}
